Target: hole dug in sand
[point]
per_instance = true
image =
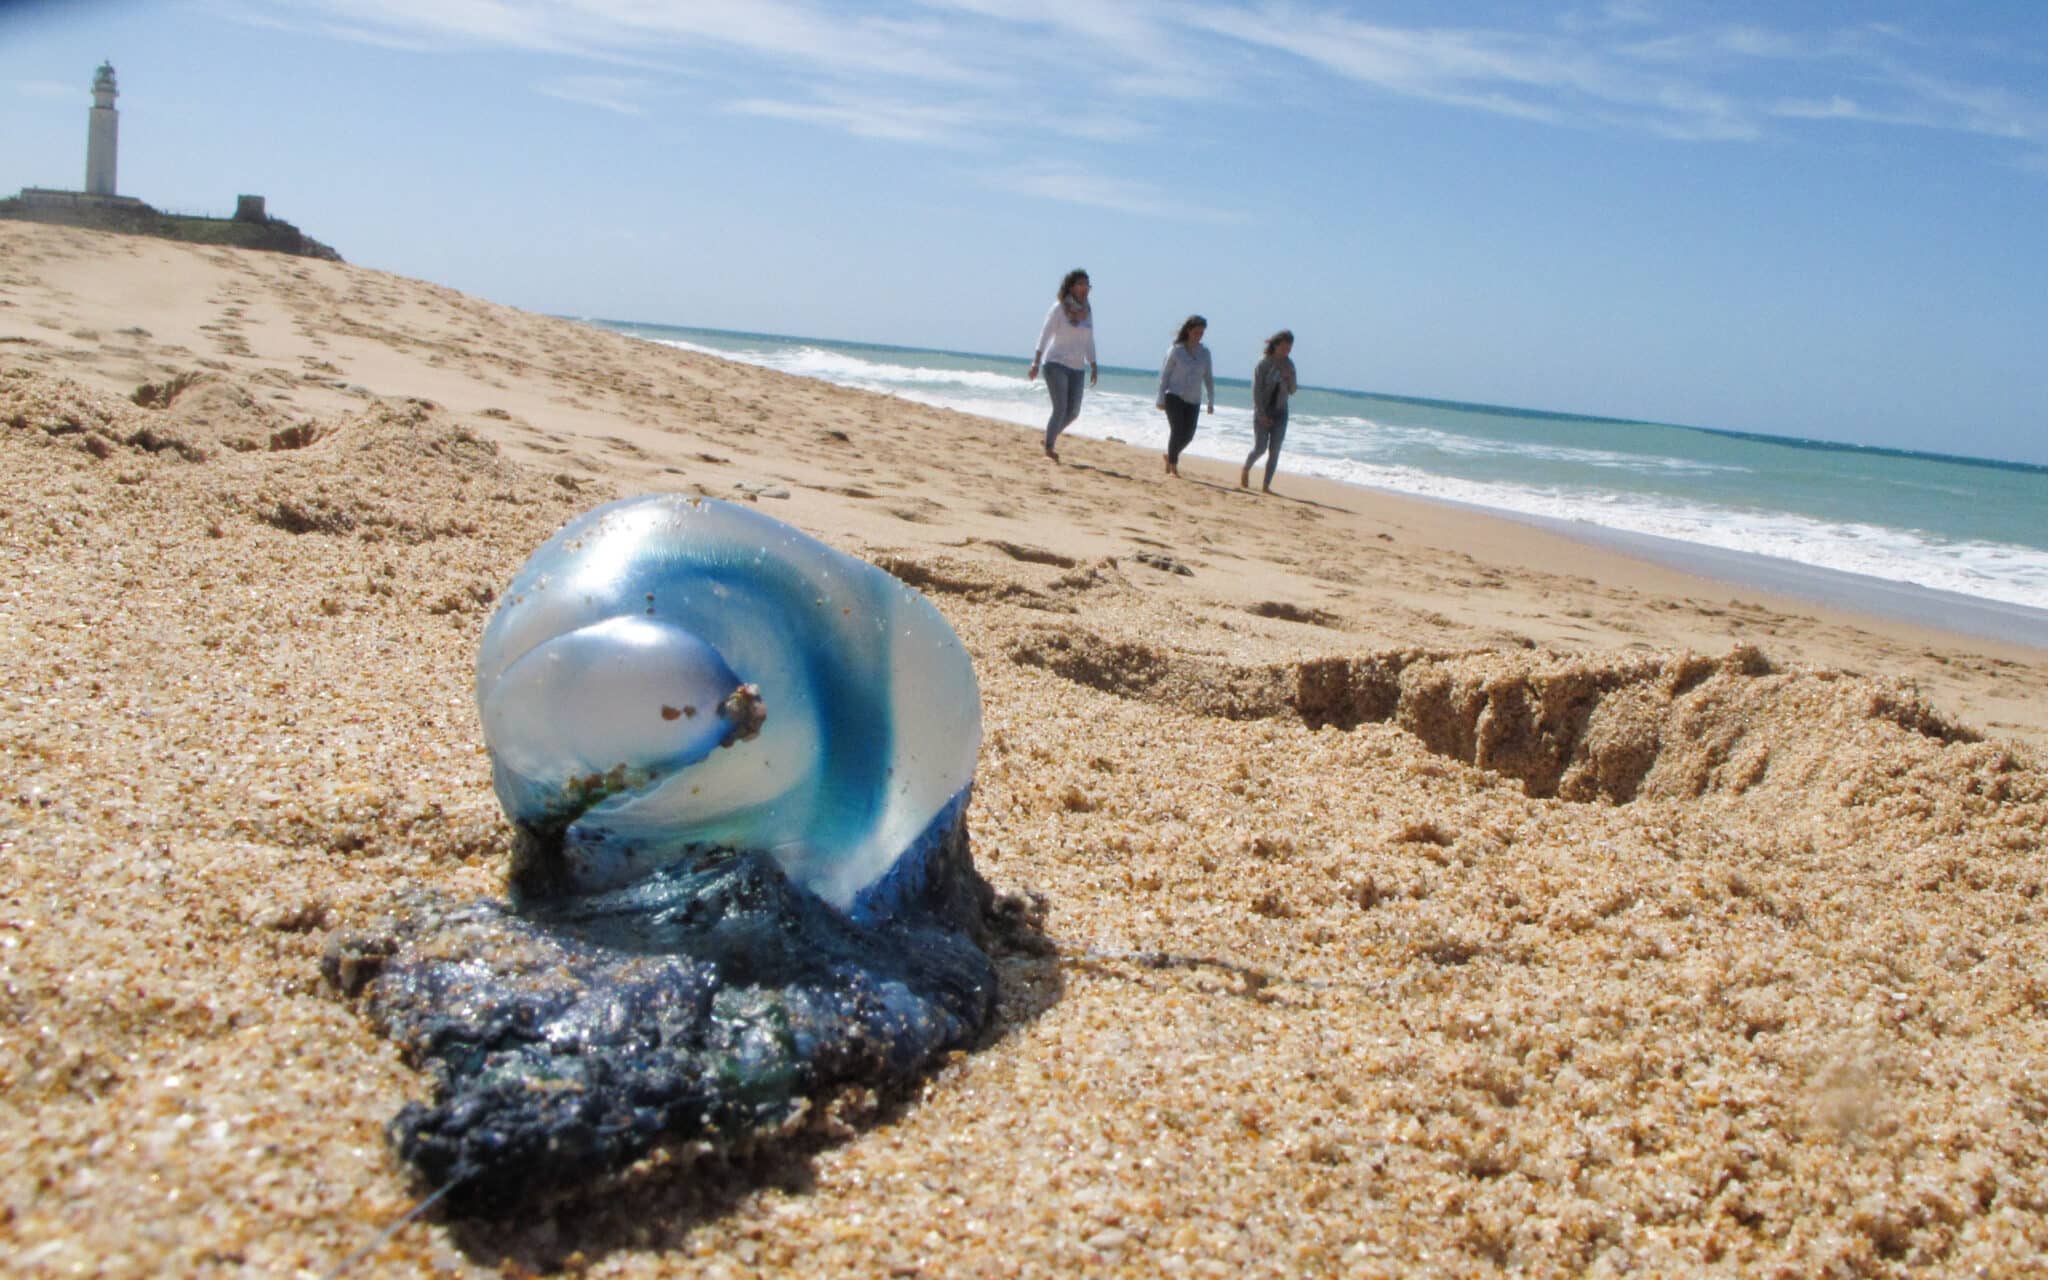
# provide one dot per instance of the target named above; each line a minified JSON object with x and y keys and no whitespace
{"x":205,"y":413}
{"x":1286,"y":612}
{"x":1607,"y":728}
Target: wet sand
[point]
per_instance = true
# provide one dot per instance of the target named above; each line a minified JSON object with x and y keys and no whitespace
{"x":1428,"y":894}
{"x":1799,"y":584}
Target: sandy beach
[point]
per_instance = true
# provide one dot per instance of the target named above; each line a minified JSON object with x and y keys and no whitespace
{"x":1428,"y":894}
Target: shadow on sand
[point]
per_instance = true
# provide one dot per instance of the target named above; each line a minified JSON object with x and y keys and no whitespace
{"x":661,"y":1200}
{"x":1275,"y":496}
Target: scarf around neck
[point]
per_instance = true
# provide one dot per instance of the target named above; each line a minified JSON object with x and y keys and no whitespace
{"x":1078,"y":312}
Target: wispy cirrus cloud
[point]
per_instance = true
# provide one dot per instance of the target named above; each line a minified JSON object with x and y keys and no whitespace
{"x":796,"y":34}
{"x":618,"y":94}
{"x":1991,"y":111}
{"x":1706,"y":48}
{"x":887,"y":120}
{"x":1885,"y":90}
{"x":1100,"y":191}
{"x":1628,"y":67}
{"x":967,"y":73}
{"x":1837,"y":107}
{"x":1606,"y":17}
{"x":1540,"y":77}
{"x":273,"y":17}
{"x":943,"y":122}
{"x":1085,"y":48}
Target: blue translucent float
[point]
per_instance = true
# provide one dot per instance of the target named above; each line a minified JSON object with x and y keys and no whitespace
{"x":668,"y":674}
{"x":738,"y":765}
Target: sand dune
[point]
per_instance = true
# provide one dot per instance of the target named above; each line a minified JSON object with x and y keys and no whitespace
{"x":1425,"y":894}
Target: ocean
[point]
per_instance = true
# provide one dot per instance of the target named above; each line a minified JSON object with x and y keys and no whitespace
{"x":1956,"y":542}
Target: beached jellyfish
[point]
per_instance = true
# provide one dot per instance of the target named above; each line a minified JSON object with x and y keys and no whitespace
{"x":738,"y":764}
{"x":668,"y":673}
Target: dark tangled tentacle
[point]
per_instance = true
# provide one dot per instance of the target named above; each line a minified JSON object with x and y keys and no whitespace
{"x":568,"y":1038}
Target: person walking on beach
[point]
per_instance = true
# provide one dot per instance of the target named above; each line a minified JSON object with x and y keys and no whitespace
{"x":1272,"y":382}
{"x":1182,"y":380}
{"x":1065,"y":346}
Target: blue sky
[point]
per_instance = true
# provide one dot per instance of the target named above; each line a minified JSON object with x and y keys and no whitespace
{"x":1817,"y":219}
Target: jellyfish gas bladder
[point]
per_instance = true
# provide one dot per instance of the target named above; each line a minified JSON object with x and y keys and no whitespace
{"x":668,"y":675}
{"x":737,"y":763}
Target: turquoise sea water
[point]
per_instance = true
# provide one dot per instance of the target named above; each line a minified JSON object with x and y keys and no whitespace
{"x":1975,"y":528}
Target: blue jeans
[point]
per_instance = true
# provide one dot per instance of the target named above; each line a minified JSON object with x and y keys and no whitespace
{"x":1065,"y":385}
{"x":1266,"y":438}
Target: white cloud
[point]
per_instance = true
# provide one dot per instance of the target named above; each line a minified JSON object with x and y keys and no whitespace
{"x":1135,"y":48}
{"x":964,"y":73}
{"x":1847,"y":110}
{"x":381,"y":39}
{"x":1540,"y":78}
{"x":1617,"y":13}
{"x":1993,"y":112}
{"x":1723,"y":82}
{"x":869,"y":118}
{"x":1705,"y":48}
{"x":781,"y":31}
{"x":1119,"y":195}
{"x":1835,"y":108}
{"x":608,"y":93}
{"x":1915,"y":100}
{"x":1100,"y":128}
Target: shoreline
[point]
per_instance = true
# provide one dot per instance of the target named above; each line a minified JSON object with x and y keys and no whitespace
{"x":1963,"y":616}
{"x":1959,"y":614}
{"x":1782,"y":577}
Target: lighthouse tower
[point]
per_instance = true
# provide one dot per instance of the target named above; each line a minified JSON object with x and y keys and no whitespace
{"x":104,"y":134}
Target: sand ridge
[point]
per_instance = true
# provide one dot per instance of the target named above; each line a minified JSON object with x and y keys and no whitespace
{"x":1424,"y":896}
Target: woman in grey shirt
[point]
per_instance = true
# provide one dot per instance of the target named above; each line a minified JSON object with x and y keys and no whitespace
{"x":1272,"y":382}
{"x":1182,"y":380}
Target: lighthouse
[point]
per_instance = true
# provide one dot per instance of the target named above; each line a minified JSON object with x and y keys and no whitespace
{"x":103,"y":135}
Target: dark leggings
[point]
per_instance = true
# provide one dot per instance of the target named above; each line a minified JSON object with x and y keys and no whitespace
{"x":1266,"y":439}
{"x":1180,"y":425}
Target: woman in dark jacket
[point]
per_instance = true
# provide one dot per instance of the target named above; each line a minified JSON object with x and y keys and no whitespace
{"x":1272,"y":382}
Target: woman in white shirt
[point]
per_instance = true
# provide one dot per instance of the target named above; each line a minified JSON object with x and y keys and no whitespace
{"x":1182,"y":380}
{"x":1066,"y":345}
